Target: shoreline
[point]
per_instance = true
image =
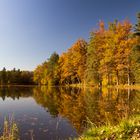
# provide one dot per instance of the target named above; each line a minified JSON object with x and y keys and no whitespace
{"x":18,"y":85}
{"x":137,"y":86}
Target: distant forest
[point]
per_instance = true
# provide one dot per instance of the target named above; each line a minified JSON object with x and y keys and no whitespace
{"x":16,"y":77}
{"x":110,"y":57}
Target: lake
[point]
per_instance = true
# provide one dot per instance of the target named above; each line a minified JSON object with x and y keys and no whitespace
{"x":60,"y":113}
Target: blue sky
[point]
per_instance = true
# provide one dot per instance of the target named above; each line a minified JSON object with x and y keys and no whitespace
{"x":30,"y":30}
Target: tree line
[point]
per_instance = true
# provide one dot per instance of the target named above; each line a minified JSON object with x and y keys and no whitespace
{"x":110,"y":57}
{"x":16,"y":77}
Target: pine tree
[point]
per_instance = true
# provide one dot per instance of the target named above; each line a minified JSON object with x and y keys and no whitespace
{"x":137,"y":26}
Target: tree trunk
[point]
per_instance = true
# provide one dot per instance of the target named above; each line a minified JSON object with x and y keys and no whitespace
{"x":128,"y":93}
{"x":100,"y":84}
{"x":78,"y":80}
{"x":108,"y":76}
{"x":128,"y":77}
{"x":117,"y":74}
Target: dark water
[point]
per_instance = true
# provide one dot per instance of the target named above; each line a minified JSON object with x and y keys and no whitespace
{"x":60,"y":113}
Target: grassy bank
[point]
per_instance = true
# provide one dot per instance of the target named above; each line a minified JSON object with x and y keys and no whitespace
{"x":125,"y":130}
{"x":10,"y":131}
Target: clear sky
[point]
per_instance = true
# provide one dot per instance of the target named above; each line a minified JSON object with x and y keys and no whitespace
{"x":30,"y":30}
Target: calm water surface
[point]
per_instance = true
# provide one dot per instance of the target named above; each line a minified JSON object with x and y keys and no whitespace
{"x":60,"y":113}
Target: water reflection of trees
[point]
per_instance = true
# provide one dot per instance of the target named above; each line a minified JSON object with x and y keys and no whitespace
{"x":99,"y":106}
{"x":79,"y":106}
{"x":61,"y":101}
{"x":15,"y":93}
{"x":48,"y":98}
{"x":112,"y":105}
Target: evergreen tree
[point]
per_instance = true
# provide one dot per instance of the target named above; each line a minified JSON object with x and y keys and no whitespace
{"x":137,"y":26}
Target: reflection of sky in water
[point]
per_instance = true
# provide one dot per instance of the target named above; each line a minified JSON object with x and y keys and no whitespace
{"x":34,"y":120}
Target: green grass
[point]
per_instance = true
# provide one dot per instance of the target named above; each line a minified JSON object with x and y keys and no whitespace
{"x":10,"y":131}
{"x":125,"y":130}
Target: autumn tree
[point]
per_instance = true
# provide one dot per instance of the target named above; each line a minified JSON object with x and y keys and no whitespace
{"x":135,"y":54}
{"x":46,"y":73}
{"x":108,"y":54}
{"x":73,"y":63}
{"x":94,"y":55}
{"x":38,"y":74}
{"x":124,"y":43}
{"x":53,"y":78}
